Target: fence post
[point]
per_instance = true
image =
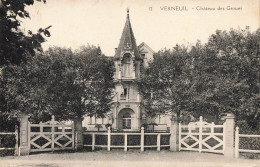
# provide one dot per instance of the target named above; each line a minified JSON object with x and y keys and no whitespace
{"x":93,"y":141}
{"x":16,"y":141}
{"x":142,"y":139}
{"x":179,"y":137}
{"x":108,"y":138}
{"x":125,"y":148}
{"x":73,"y":135}
{"x":174,"y":130}
{"x":200,"y":134}
{"x":237,"y":143}
{"x":52,"y":132}
{"x":24,"y":138}
{"x":159,"y":142}
{"x":229,"y":135}
{"x":78,"y":133}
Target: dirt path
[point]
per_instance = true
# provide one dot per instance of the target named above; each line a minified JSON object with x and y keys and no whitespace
{"x":130,"y":158}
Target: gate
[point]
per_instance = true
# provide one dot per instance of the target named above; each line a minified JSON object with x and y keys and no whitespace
{"x":202,"y":136}
{"x":50,"y":136}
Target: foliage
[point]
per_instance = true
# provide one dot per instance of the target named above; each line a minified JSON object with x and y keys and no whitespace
{"x":10,"y":90}
{"x":17,"y":46}
{"x":60,"y":82}
{"x":108,"y":125}
{"x":218,"y":77}
{"x":166,"y":85}
{"x":7,"y":141}
{"x":229,"y":75}
{"x":145,"y":125}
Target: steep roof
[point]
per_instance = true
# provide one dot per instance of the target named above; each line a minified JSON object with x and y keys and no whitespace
{"x":127,"y":41}
{"x":143,"y":44}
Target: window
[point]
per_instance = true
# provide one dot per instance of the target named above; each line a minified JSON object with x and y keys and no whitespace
{"x":126,"y":72}
{"x":127,"y":121}
{"x":125,"y":91}
{"x":125,"y":94}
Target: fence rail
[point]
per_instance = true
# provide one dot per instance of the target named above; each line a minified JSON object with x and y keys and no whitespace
{"x":237,"y":149}
{"x":16,"y":147}
{"x":125,"y":136}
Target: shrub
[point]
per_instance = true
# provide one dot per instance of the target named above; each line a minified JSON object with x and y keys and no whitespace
{"x":7,"y":141}
{"x":249,"y":143}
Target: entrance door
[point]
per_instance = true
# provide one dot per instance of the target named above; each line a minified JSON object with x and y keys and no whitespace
{"x":125,"y":121}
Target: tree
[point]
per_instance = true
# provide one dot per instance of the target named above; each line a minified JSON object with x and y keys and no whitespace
{"x":17,"y":46}
{"x":76,"y":83}
{"x":167,"y":83}
{"x":218,"y":77}
{"x":24,"y":90}
{"x":59,"y":82}
{"x":229,"y":70}
{"x":97,"y":73}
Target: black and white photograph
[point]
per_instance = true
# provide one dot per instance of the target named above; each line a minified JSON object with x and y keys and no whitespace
{"x":139,"y":83}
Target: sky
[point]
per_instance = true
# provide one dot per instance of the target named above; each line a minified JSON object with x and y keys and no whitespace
{"x":100,"y":22}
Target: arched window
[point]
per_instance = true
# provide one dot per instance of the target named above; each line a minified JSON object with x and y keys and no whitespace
{"x":126,"y":63}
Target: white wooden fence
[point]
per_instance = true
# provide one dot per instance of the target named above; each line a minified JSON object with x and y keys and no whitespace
{"x":16,"y":141}
{"x":237,"y":149}
{"x":142,"y":145}
{"x":50,"y":136}
{"x":202,"y":136}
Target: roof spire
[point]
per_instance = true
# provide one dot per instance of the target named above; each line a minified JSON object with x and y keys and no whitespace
{"x":127,"y":40}
{"x":128,"y":13}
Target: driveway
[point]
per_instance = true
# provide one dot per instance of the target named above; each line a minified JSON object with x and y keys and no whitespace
{"x":129,"y":158}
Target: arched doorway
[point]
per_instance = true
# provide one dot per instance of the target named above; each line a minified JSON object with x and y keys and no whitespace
{"x":125,"y":120}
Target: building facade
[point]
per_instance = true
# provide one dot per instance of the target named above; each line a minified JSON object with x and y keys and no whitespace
{"x":126,"y":113}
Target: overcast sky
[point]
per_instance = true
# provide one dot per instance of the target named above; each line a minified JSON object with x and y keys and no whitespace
{"x":100,"y":22}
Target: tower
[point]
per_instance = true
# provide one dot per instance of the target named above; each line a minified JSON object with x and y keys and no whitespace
{"x":126,"y":109}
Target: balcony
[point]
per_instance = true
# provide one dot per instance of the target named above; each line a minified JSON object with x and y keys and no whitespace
{"x":122,"y":97}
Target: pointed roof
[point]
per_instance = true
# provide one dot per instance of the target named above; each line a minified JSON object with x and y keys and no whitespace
{"x":143,"y":44}
{"x":127,"y":41}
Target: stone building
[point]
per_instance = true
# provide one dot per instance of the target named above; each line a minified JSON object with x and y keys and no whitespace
{"x":126,"y":113}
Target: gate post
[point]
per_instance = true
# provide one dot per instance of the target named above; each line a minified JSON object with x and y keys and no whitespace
{"x":142,"y":138}
{"x":229,"y":135}
{"x":174,"y":130}
{"x":24,"y":138}
{"x":78,"y":133}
